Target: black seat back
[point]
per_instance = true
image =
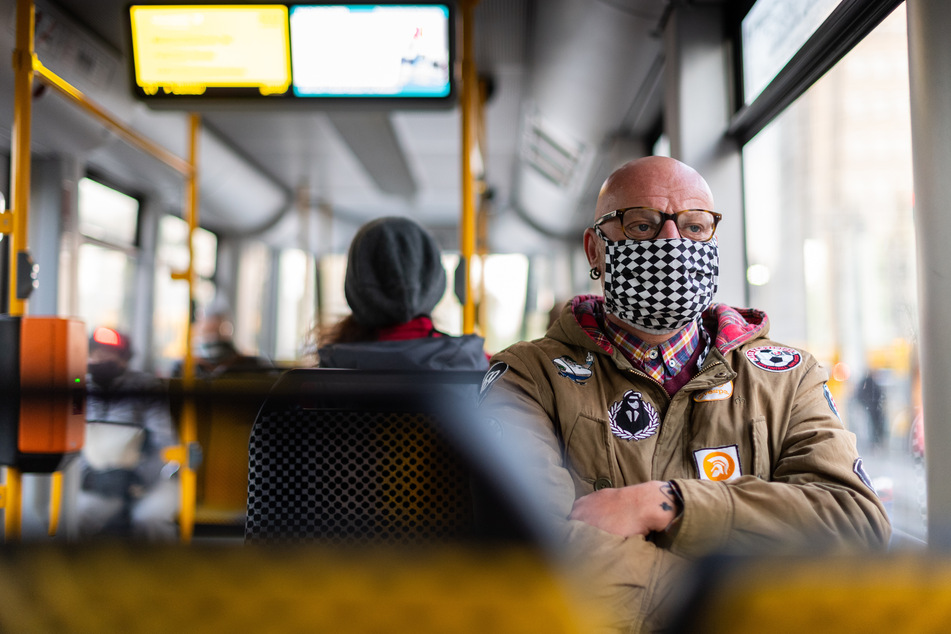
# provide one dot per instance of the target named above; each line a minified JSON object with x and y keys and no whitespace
{"x":392,"y":457}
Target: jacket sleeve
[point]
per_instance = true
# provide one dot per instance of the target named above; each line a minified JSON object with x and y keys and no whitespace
{"x":817,"y":496}
{"x":627,"y":578}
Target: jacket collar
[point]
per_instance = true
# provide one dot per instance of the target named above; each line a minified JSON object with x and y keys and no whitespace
{"x":732,"y":327}
{"x":588,"y":314}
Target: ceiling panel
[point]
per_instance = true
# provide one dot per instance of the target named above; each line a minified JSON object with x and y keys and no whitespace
{"x":552,"y":61}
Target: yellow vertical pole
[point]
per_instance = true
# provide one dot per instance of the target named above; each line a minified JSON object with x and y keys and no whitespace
{"x":468,"y":95}
{"x":12,"y":508}
{"x":189,"y":430}
{"x":19,"y":208}
{"x":56,"y":497}
{"x":482,"y":210}
{"x":20,"y":143}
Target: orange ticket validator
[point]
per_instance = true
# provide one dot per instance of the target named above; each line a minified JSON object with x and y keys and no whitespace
{"x":51,"y":386}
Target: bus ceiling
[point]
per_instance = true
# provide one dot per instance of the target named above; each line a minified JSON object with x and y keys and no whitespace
{"x":574,"y":88}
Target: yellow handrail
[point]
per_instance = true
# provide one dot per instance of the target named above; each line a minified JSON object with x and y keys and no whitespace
{"x":131,"y":136}
{"x":468,"y":95}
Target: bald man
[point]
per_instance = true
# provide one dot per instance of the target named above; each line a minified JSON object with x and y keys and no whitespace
{"x":667,"y":426}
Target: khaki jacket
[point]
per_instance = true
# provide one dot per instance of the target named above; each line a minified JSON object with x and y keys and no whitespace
{"x":753,"y":443}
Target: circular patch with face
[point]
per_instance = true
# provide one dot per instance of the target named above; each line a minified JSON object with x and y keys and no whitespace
{"x":774,"y":358}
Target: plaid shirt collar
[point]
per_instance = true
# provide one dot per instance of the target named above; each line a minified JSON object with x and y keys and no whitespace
{"x":669,"y":357}
{"x":661,"y":362}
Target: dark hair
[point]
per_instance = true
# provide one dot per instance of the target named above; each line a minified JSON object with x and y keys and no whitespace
{"x":347,"y":330}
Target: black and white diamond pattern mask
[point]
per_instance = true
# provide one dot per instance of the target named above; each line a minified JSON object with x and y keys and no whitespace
{"x":659,"y":286}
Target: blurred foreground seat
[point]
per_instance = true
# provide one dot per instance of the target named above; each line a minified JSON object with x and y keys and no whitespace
{"x":135,"y":588}
{"x":866,"y":594}
{"x":377,"y":503}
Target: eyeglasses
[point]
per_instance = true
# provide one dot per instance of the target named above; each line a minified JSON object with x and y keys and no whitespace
{"x":644,"y":223}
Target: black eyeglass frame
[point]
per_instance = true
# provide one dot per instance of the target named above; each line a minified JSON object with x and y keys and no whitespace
{"x":619,"y":214}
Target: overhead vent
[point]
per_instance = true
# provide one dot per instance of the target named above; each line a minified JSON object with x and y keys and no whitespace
{"x":501,"y":34}
{"x":555,"y":158}
{"x":68,"y":49}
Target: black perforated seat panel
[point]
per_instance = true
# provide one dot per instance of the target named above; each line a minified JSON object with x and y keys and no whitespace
{"x":327,"y":473}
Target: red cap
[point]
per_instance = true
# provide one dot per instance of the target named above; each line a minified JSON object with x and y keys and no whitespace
{"x":110,"y":338}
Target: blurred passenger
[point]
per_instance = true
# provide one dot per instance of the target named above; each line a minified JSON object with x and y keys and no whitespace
{"x":127,"y":489}
{"x":669,"y":427}
{"x":872,"y":398}
{"x":394,"y":279}
{"x":214,"y":349}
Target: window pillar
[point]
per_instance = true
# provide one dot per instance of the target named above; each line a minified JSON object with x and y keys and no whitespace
{"x":698,"y":104}
{"x":929,"y":57}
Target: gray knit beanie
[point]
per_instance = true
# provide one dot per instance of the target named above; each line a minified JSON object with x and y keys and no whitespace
{"x":394,"y":273}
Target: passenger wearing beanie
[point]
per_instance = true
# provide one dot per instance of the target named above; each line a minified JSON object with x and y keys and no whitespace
{"x":394,"y":280}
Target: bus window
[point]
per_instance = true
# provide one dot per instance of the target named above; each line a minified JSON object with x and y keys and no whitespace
{"x":295,"y":303}
{"x":831,"y":249}
{"x":105,"y":279}
{"x":254,"y":271}
{"x":171,"y":296}
{"x":107,"y":255}
{"x":447,"y":315}
{"x":773,"y":31}
{"x":107,"y":215}
{"x":506,"y":280}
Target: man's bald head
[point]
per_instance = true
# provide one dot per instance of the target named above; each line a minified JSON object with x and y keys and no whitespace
{"x":654,"y":181}
{"x":660,"y":183}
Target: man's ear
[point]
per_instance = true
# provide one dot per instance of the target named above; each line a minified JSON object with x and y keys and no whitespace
{"x":592,"y":248}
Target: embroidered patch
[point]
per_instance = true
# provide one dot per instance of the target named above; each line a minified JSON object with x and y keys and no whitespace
{"x":830,"y":400}
{"x":632,"y":418}
{"x":719,"y":464}
{"x":774,"y":358}
{"x":717,"y":393}
{"x":492,"y":375}
{"x":859,"y":468}
{"x":569,"y":368}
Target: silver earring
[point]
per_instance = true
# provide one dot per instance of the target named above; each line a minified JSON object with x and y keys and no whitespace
{"x":594,"y":273}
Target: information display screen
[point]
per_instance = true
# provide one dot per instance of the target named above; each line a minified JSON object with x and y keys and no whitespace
{"x":398,"y":51}
{"x":184,"y":50}
{"x":188,"y":54}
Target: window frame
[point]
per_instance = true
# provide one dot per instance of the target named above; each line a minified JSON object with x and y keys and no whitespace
{"x":845,"y":27}
{"x":132,"y":249}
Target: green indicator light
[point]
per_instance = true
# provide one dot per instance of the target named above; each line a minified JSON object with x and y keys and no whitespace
{"x":78,"y":379}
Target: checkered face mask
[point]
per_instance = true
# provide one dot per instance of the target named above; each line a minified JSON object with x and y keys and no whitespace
{"x":659,"y":286}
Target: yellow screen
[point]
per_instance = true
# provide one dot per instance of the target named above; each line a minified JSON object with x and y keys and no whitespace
{"x":184,"y":50}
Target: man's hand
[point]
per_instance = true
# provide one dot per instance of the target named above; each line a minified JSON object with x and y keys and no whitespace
{"x":633,"y":510}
